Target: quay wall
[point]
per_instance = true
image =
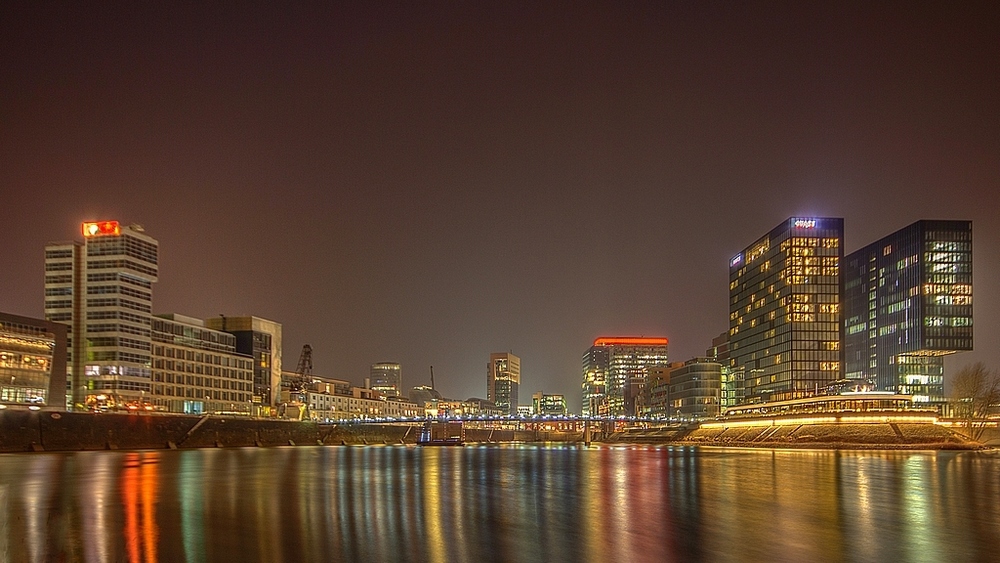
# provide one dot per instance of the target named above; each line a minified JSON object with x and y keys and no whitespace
{"x":22,"y":431}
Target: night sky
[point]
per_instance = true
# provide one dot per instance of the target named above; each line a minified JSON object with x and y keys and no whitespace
{"x":431,"y":182}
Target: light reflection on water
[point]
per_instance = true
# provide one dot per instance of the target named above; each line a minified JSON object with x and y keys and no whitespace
{"x":516,"y":503}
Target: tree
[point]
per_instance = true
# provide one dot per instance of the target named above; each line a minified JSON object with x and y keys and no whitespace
{"x":975,"y":389}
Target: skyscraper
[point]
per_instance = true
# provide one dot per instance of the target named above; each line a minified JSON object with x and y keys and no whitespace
{"x":503,"y":377}
{"x":907,"y":304}
{"x":387,"y":379}
{"x":102,"y":289}
{"x":784,"y":303}
{"x":615,"y":370}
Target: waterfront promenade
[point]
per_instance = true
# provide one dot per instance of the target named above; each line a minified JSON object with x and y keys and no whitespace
{"x":27,"y":431}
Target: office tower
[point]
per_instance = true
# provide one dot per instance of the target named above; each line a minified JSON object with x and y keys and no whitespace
{"x":261,"y":339}
{"x":32,"y":362}
{"x":503,"y":376}
{"x":784,"y":322}
{"x":615,"y":370}
{"x":197,"y":370}
{"x":387,"y":379}
{"x":102,"y":289}
{"x":907,"y":304}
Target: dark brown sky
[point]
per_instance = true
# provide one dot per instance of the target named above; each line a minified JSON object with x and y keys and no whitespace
{"x":428,"y":183}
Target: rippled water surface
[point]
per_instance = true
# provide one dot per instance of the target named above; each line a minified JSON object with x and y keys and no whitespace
{"x":525,"y":503}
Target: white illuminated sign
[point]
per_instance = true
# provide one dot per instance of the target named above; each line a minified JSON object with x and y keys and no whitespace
{"x":736,"y":260}
{"x":804,"y":223}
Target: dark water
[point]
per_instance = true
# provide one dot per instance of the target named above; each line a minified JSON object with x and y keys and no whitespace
{"x":500,"y":504}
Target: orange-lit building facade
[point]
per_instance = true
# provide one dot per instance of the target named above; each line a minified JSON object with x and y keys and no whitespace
{"x":615,"y":370}
{"x":785,"y":327}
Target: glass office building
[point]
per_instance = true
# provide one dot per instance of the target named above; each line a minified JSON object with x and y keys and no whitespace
{"x":387,"y":379}
{"x":907,"y":304}
{"x":503,"y":378}
{"x":784,"y":322}
{"x":615,"y":371}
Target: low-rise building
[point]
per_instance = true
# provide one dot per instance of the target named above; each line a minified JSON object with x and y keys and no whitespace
{"x":196,"y":370}
{"x":544,"y":404}
{"x":32,"y":362}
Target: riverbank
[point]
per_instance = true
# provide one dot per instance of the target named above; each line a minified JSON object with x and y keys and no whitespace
{"x":887,"y":436}
{"x":26,"y":431}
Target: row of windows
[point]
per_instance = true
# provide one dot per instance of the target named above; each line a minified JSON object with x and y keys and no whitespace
{"x":116,"y":355}
{"x":59,"y":278}
{"x":110,"y":264}
{"x":199,"y":394}
{"x":60,"y":253}
{"x":58,"y":266}
{"x":121,"y":315}
{"x":115,"y":302}
{"x":58,"y":304}
{"x":194,"y":356}
{"x":119,"y":385}
{"x":239,"y":381}
{"x":115,"y":327}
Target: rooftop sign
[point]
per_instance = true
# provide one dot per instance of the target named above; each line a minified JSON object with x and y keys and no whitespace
{"x":641,"y":341}
{"x":736,"y":260}
{"x":101,"y":228}
{"x":804,"y":223}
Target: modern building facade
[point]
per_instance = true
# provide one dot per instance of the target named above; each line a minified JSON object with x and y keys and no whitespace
{"x":32,"y":363}
{"x":695,"y":389}
{"x":720,"y":353}
{"x":907,"y":304}
{"x":615,"y":370}
{"x":387,"y":379}
{"x":503,"y":377}
{"x":545,"y":404}
{"x":261,"y":339}
{"x":785,"y":328}
{"x":197,"y":370}
{"x":102,"y":289}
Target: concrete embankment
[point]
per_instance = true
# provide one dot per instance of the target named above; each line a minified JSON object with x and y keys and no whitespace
{"x":22,"y":431}
{"x":840,"y":435}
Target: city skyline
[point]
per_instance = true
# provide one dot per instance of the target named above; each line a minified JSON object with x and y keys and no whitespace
{"x":387,"y":185}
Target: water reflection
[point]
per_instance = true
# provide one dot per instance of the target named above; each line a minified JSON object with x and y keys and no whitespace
{"x":526,"y":503}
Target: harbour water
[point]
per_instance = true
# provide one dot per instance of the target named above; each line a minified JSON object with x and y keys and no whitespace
{"x":500,"y":503}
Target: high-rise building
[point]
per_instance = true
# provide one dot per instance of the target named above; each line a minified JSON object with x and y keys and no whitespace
{"x":503,"y":377}
{"x":784,"y":303}
{"x":907,"y":304}
{"x":32,"y":362}
{"x":387,"y":379}
{"x":102,"y":289}
{"x":615,"y":370}
{"x":260,"y":338}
